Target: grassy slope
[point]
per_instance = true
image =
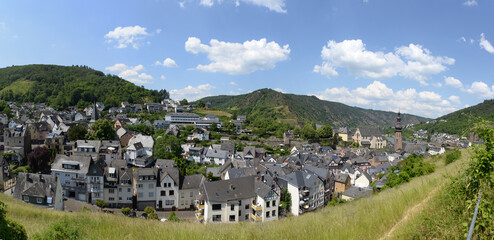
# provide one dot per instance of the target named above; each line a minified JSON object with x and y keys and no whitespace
{"x":367,"y":218}
{"x":21,"y":86}
{"x":300,"y":108}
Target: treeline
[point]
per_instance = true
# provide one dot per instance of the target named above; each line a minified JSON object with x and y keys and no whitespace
{"x":61,"y":86}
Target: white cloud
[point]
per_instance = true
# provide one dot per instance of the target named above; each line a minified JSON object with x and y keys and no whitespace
{"x":273,"y":5}
{"x":238,"y":58}
{"x":378,"y":96}
{"x":412,"y":61}
{"x":453,"y":82}
{"x":125,"y":36}
{"x":132,"y":74}
{"x":233,"y":83}
{"x":454,"y":99}
{"x":485,"y":44}
{"x":470,"y":3}
{"x":158,"y":31}
{"x":162,"y":77}
{"x":481,"y":90}
{"x":207,"y":3}
{"x":463,"y":39}
{"x":182,"y":4}
{"x":168,"y":62}
{"x":280,"y":90}
{"x":192,"y":93}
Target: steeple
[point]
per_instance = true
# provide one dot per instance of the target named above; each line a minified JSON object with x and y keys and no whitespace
{"x":398,"y":128}
{"x":95,"y":115}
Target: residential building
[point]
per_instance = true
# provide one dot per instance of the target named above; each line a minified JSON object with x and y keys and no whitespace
{"x":87,"y":148}
{"x":306,"y":189}
{"x":369,"y":137}
{"x":39,"y":189}
{"x":140,"y":151}
{"x":216,"y":156}
{"x":342,"y":182}
{"x":189,"y":190}
{"x":168,"y":189}
{"x":17,"y":140}
{"x":95,"y":180}
{"x":145,"y":184}
{"x":72,"y":171}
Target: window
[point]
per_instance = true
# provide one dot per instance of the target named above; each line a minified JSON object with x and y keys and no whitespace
{"x":232,"y":207}
{"x":216,"y":218}
{"x":274,"y":203}
{"x":267,"y":204}
{"x":273,"y":213}
{"x":119,"y":189}
{"x":120,"y":198}
{"x":140,"y":195}
{"x":111,"y":190}
{"x":39,"y":200}
{"x":151,"y":194}
{"x":246,"y":216}
{"x":186,"y":202}
{"x":232,"y":218}
{"x":163,"y":193}
{"x":246,"y":206}
{"x":169,"y":202}
{"x":171,"y":193}
{"x":140,"y":185}
{"x":111,"y":199}
{"x":129,"y":198}
{"x":216,"y":207}
{"x":25,"y":198}
{"x":151,"y":186}
{"x":182,"y":195}
{"x":267,"y":214}
{"x":191,"y":194}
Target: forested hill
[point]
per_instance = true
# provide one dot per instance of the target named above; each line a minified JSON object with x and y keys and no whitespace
{"x":296,"y":109}
{"x":461,"y":121}
{"x":63,"y":86}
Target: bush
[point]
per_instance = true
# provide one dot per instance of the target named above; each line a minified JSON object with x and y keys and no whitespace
{"x":452,"y":156}
{"x":149,"y":210}
{"x":153,"y":216}
{"x":100,"y":203}
{"x":126,"y":211}
{"x":62,"y":229}
{"x":172,"y":217}
{"x":10,"y":229}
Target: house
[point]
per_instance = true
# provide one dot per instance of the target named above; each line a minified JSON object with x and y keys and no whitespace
{"x":265,"y":205}
{"x":38,"y":132}
{"x":199,"y":134}
{"x":226,"y":201}
{"x":140,"y":151}
{"x":364,"y":180}
{"x":124,"y":183}
{"x":189,"y":190}
{"x":216,"y":156}
{"x":5,"y":173}
{"x":110,"y":150}
{"x":168,"y":189}
{"x":72,"y":171}
{"x":39,"y":189}
{"x":369,"y":137}
{"x":160,"y":124}
{"x":306,"y":189}
{"x":110,"y":193}
{"x":342,"y":132}
{"x":355,"y":192}
{"x":342,"y":182}
{"x":121,"y":122}
{"x":95,"y":180}
{"x":17,"y":140}
{"x":124,"y":135}
{"x":326,"y":177}
{"x":196,"y":154}
{"x":145,"y":179}
{"x":55,"y":142}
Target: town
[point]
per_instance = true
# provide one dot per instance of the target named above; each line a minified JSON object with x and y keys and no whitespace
{"x":187,"y":160}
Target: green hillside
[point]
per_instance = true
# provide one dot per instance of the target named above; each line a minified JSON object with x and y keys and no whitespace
{"x":63,"y":86}
{"x":461,"y":121}
{"x":267,"y":103}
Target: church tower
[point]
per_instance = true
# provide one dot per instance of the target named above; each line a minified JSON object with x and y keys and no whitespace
{"x":398,"y":128}
{"x":94,"y":115}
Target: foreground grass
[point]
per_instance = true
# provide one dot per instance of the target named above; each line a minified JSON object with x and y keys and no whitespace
{"x":368,"y":218}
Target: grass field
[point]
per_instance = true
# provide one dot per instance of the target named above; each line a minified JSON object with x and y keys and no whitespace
{"x":21,"y":86}
{"x":219,"y":113}
{"x":368,"y":218}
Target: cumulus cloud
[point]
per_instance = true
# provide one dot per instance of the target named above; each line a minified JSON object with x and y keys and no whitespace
{"x":238,"y":58}
{"x":481,"y":90}
{"x":280,"y":90}
{"x":192,"y":93}
{"x":412,"y":61}
{"x":233,"y":83}
{"x":454,"y":99}
{"x":377,"y":95}
{"x":132,"y":74}
{"x":453,"y":82}
{"x":125,"y":36}
{"x":168,"y":62}
{"x":162,"y":77}
{"x":273,"y":5}
{"x":470,"y":3}
{"x":485,"y":44}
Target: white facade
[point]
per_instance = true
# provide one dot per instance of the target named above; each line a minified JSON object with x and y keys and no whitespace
{"x":167,"y":194}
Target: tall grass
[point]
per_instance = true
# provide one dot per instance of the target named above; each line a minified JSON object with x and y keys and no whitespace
{"x":367,"y":218}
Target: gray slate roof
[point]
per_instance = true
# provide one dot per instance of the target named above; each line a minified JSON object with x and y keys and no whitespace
{"x":35,"y":185}
{"x":356,"y":192}
{"x":228,"y":190}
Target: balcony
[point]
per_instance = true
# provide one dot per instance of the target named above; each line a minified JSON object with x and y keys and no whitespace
{"x":200,"y":206}
{"x":78,"y":179}
{"x":199,"y":216}
{"x":256,"y":207}
{"x":255,"y":218}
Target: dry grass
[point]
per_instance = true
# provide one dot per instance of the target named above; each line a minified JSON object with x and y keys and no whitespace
{"x":367,"y":218}
{"x":218,"y":113}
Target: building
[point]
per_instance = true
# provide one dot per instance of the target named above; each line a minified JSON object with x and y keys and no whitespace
{"x":87,"y":148}
{"x":182,"y":118}
{"x":189,"y":190}
{"x":72,"y":173}
{"x":39,"y":189}
{"x":17,"y":140}
{"x":140,"y":151}
{"x":145,"y":183}
{"x":168,"y":189}
{"x":95,"y":180}
{"x":398,"y":139}
{"x":306,"y":189}
{"x":369,"y":137}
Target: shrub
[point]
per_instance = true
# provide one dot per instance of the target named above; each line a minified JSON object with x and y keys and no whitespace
{"x":100,"y":203}
{"x":452,"y":156}
{"x":149,"y":210}
{"x":10,"y":229}
{"x":172,"y":217}
{"x":126,"y":211}
{"x":153,"y":216}
{"x":62,"y":229}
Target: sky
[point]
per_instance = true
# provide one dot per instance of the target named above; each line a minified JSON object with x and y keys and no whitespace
{"x":423,"y":57}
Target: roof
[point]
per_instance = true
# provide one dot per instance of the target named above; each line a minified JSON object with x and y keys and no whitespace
{"x":320,"y":172}
{"x":192,"y":181}
{"x":83,"y":161}
{"x":147,"y":141}
{"x":241,"y":172}
{"x":369,"y":132}
{"x":301,"y":179}
{"x":228,"y":190}
{"x":89,"y":143}
{"x":214,"y":170}
{"x":341,"y":177}
{"x":214,"y":153}
{"x":164,"y":163}
{"x":356,"y":192}
{"x":172,"y":172}
{"x":35,"y":185}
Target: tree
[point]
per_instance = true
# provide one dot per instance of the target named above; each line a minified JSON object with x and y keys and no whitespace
{"x":213,"y":126}
{"x":142,"y":128}
{"x":229,"y":127}
{"x":100,"y":203}
{"x":184,"y":102}
{"x":172,"y":217}
{"x":167,"y":147}
{"x":39,"y":159}
{"x":102,"y":129}
{"x":325,"y":131}
{"x":77,"y":132}
{"x":164,"y":94}
{"x":285,"y":201}
{"x":126,"y":211}
{"x":200,"y":104}
{"x":308,"y":132}
{"x":4,"y":108}
{"x":10,"y":229}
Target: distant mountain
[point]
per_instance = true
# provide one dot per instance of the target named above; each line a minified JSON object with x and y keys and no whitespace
{"x":63,"y":86}
{"x":296,"y":109}
{"x":461,"y":121}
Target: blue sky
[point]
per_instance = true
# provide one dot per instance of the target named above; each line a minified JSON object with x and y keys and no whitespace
{"x":425,"y":57}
